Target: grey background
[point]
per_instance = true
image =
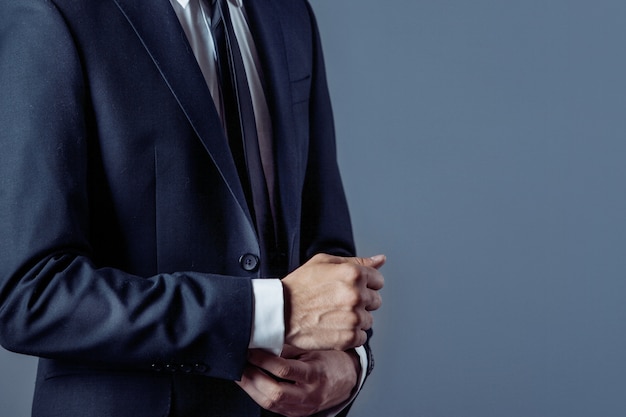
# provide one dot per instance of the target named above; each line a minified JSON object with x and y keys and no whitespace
{"x":482,"y":147}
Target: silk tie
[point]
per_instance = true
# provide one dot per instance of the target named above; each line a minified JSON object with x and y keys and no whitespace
{"x":241,"y":126}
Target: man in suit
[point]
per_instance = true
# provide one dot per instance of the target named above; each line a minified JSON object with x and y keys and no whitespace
{"x":131,"y":257}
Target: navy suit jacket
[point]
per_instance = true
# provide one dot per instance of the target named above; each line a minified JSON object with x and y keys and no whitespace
{"x":122,"y":219}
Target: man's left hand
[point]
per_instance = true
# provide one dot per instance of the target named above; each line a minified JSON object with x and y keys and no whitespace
{"x":300,"y":383}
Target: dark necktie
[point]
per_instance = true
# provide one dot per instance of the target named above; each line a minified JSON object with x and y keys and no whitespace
{"x":241,"y":126}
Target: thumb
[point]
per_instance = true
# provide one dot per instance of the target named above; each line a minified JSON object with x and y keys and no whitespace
{"x":375,"y":261}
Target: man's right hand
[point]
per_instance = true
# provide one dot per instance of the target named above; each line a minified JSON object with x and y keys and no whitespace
{"x":329,"y":299}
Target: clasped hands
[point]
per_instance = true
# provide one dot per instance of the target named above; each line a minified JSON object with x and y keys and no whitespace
{"x":328,"y":305}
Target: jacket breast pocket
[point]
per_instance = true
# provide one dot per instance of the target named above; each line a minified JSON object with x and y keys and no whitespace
{"x":301,"y":89}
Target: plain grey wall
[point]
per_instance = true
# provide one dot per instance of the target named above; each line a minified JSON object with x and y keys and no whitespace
{"x":483,"y":146}
{"x":483,"y":150}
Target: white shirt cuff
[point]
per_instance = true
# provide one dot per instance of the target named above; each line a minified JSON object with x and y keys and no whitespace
{"x":364,"y":366}
{"x":268,"y":327}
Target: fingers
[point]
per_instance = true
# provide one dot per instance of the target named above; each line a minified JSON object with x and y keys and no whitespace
{"x":333,"y":376}
{"x":375,"y":261}
{"x":373,"y":300}
{"x":284,"y":369}
{"x":291,"y":352}
{"x":375,"y":279}
{"x":358,"y":338}
{"x":271,"y":395}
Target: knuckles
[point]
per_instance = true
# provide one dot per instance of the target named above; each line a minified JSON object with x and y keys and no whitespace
{"x":274,"y":398}
{"x":322,"y":258}
{"x":358,"y":339}
{"x":350,"y":297}
{"x":351,"y":272}
{"x":368,"y":322}
{"x":284,"y":371}
{"x":376,"y":302}
{"x":353,"y":320}
{"x":352,"y":339}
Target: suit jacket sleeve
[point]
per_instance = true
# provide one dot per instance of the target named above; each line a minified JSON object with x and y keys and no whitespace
{"x":57,"y":299}
{"x":326,"y":225}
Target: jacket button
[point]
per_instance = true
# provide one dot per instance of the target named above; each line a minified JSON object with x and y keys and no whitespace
{"x":249,"y":262}
{"x":200,"y":368}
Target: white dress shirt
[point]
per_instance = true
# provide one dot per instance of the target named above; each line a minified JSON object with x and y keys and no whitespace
{"x":268,"y":330}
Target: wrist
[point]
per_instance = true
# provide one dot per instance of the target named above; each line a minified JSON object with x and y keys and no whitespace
{"x":356,"y":364}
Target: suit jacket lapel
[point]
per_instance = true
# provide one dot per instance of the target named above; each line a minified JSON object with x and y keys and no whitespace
{"x":157,"y":25}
